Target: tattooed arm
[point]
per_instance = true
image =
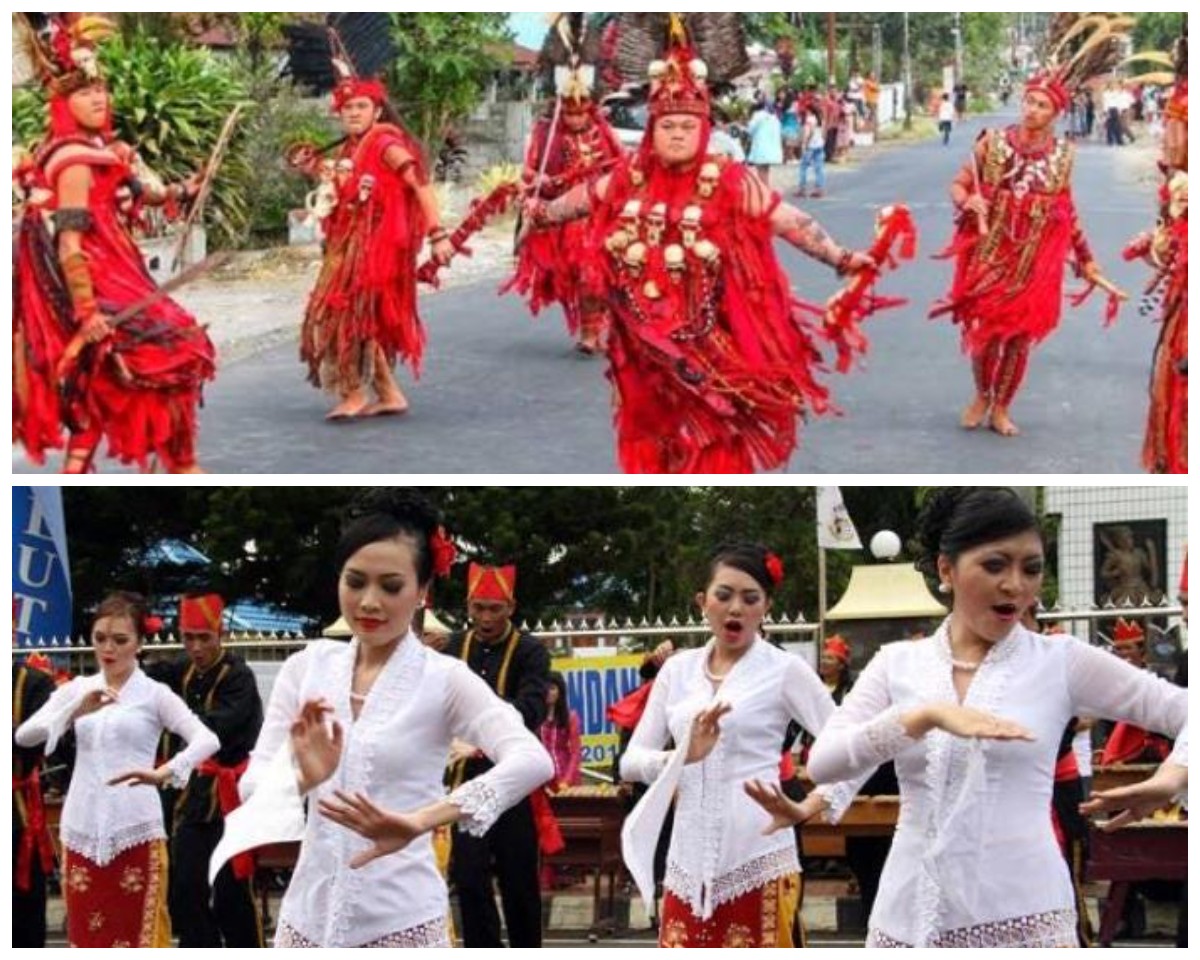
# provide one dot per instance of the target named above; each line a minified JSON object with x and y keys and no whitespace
{"x":798,"y":228}
{"x":576,"y":204}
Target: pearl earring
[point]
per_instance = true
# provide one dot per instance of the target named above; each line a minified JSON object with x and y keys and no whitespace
{"x":945,"y":589}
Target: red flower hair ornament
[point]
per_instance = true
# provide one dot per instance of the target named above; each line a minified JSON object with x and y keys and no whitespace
{"x":775,"y":568}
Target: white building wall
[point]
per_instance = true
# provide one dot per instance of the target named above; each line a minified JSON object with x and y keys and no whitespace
{"x":1081,"y":508}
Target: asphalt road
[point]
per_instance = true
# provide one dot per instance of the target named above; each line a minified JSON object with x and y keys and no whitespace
{"x":503,"y":393}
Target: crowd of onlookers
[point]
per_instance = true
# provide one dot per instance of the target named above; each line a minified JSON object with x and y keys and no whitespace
{"x":810,"y":127}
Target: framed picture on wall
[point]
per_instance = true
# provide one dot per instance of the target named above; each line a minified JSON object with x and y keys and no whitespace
{"x":1131,"y":563}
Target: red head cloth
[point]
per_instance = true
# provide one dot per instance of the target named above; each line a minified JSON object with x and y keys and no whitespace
{"x":1053,"y":87}
{"x":838,"y":648}
{"x":1126,"y":632}
{"x":492,"y":583}
{"x":355,"y":88}
{"x":201,"y":614}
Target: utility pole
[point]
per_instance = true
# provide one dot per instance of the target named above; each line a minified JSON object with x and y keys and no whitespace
{"x":908,"y":79}
{"x":831,"y":32}
{"x":877,"y":51}
{"x":958,"y":48}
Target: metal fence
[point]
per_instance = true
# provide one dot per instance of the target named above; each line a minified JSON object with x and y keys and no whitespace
{"x":565,"y":637}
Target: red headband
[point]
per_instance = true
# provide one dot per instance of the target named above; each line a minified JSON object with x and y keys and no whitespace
{"x":201,"y":614}
{"x":355,"y":89}
{"x":1053,"y":88}
{"x":492,"y":583}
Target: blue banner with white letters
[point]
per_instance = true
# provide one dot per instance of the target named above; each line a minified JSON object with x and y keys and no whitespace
{"x":41,"y":572}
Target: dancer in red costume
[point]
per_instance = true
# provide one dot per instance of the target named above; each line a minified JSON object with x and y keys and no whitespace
{"x":571,"y":146}
{"x":1166,"y":251}
{"x":76,"y":266}
{"x":362,"y":315}
{"x":1017,"y":230}
{"x":711,"y":358}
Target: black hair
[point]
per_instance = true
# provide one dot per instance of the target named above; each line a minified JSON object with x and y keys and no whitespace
{"x":749,"y":558}
{"x":956,"y":519}
{"x":385,"y":513}
{"x":123,"y":603}
{"x":561,"y":715}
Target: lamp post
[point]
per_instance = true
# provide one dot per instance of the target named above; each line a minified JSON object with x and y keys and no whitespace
{"x":908,"y":81}
{"x":958,"y":49}
{"x":831,"y":40}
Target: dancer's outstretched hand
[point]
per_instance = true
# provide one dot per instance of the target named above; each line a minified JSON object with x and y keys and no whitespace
{"x":1140,"y":800}
{"x":964,"y":722}
{"x":785,"y":812}
{"x":143,"y":778}
{"x":390,"y":832}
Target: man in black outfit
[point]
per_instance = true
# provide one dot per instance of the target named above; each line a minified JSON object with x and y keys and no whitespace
{"x":33,"y":850}
{"x":222,"y":691}
{"x":517,"y":667}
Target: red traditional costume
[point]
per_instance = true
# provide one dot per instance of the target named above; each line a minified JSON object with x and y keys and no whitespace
{"x":574,"y":145}
{"x":140,"y":385}
{"x":1010,"y":271}
{"x":712,"y":359}
{"x":363,"y":310}
{"x":1165,"y":449}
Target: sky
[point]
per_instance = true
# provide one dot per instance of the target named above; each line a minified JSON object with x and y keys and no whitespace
{"x":530,"y":29}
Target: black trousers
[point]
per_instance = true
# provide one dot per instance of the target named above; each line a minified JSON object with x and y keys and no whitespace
{"x":29,"y":907}
{"x":223,"y":916}
{"x":509,"y":852}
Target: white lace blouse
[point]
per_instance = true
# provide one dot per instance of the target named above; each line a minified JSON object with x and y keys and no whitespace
{"x":974,"y":862}
{"x":102,"y":822}
{"x":718,"y":851}
{"x":395,"y":754}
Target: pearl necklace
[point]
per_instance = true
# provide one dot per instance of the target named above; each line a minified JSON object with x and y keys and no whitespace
{"x":966,"y":667}
{"x":712,"y":677}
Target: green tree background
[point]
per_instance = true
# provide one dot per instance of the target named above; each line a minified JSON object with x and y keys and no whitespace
{"x":627,"y":552}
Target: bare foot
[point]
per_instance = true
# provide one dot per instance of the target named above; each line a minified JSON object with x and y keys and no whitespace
{"x":1002,"y":423}
{"x":588,"y":346}
{"x":352,"y":407}
{"x":391,"y":403}
{"x":384,"y":408}
{"x":78,"y":462}
{"x":190,"y":471}
{"x":975,"y":415}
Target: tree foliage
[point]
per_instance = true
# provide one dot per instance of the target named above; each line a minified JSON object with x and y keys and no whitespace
{"x":446,"y":62}
{"x":618,"y":551}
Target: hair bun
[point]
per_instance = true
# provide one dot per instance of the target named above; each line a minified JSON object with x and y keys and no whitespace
{"x":403,"y":504}
{"x":935,"y":517}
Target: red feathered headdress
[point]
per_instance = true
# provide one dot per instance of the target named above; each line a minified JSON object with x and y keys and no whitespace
{"x":65,"y":53}
{"x":679,"y":83}
{"x":348,"y":85}
{"x":1085,"y":48}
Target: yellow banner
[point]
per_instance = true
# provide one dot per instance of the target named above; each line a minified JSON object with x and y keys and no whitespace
{"x":594,"y":685}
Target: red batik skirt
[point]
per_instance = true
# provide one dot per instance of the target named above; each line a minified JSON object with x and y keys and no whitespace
{"x":763,"y":917}
{"x":121,"y":904}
